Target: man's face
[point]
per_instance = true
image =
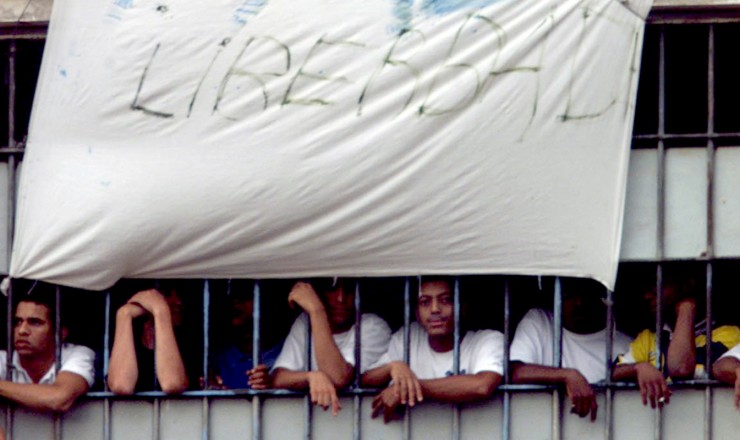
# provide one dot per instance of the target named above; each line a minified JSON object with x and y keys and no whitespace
{"x":435,"y":309}
{"x":241,"y":311}
{"x":340,"y":307}
{"x":33,"y":333}
{"x":583,"y":311}
{"x":670,"y":297}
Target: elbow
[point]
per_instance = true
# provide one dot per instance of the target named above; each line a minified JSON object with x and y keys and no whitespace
{"x":62,"y":405}
{"x":122,"y":388}
{"x":684,"y":370}
{"x":174,"y":386}
{"x":60,"y":401}
{"x":484,"y":390}
{"x":343,"y":379}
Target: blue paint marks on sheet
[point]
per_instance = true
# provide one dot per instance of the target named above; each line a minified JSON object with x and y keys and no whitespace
{"x":247,"y":9}
{"x":118,"y":7}
{"x":405,"y":10}
{"x":441,"y":7}
{"x":124,"y":4}
{"x":63,"y":72}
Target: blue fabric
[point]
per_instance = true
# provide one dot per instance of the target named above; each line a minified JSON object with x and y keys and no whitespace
{"x":232,"y":365}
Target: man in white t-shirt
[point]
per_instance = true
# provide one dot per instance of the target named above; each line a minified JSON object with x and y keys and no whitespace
{"x":331,"y":316}
{"x":34,"y":380}
{"x":583,"y":350}
{"x":430,"y":371}
{"x":727,"y":369}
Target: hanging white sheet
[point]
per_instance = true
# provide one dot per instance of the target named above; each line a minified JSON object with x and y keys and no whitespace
{"x":283,"y":138}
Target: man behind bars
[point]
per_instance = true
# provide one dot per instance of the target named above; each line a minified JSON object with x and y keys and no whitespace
{"x":145,"y":343}
{"x":727,"y":369}
{"x":583,"y":348}
{"x":329,"y":308}
{"x":35,"y":383}
{"x":233,"y":362}
{"x":683,"y":339}
{"x":429,"y":374}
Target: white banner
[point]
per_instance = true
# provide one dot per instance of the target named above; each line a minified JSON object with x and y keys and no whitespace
{"x":283,"y":138}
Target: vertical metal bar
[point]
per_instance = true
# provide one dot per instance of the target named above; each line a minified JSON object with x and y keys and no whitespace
{"x":557,"y":344}
{"x":9,"y":361}
{"x":406,"y":344}
{"x":307,"y":400}
{"x":10,"y":232}
{"x":106,"y":366}
{"x":608,"y":361}
{"x":711,"y":152}
{"x":708,"y":406}
{"x":206,"y":330}
{"x":506,"y":428}
{"x":58,"y":353}
{"x":358,"y":364}
{"x":256,"y":357}
{"x":12,"y":53}
{"x":456,"y":357}
{"x":658,"y":421}
{"x":206,"y":409}
{"x":155,"y":418}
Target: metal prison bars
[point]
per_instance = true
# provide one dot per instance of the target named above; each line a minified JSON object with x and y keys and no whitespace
{"x":12,"y":152}
{"x":356,"y":391}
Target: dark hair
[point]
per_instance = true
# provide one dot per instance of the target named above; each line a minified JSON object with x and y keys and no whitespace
{"x":326,"y":284}
{"x":449,"y":280}
{"x":41,"y":293}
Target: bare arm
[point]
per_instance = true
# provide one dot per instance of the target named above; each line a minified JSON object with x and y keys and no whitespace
{"x":727,"y":370}
{"x":653,"y":385}
{"x":462,"y":388}
{"x":455,"y":389}
{"x":170,"y":367}
{"x":328,"y":356}
{"x":377,"y":377}
{"x":404,"y":380}
{"x":681,"y":354}
{"x":579,"y":391}
{"x":56,"y":397}
{"x":321,"y":389}
{"x":123,"y":370}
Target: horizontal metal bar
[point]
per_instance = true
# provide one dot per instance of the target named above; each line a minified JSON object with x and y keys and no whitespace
{"x":685,"y":136}
{"x":688,"y":384}
{"x":13,"y":150}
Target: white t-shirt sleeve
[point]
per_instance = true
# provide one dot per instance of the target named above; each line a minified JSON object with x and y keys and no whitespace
{"x":527,"y":344}
{"x":79,"y":360}
{"x":734,"y":352}
{"x":487,"y":352}
{"x":293,"y":355}
{"x":394,"y":351}
{"x":374,"y":343}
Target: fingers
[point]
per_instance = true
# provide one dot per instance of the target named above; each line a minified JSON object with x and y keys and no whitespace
{"x":389,"y":414}
{"x":594,"y":408}
{"x":652,"y":395}
{"x":410,"y":391}
{"x":643,"y":393}
{"x":335,"y":406}
{"x":259,"y":377}
{"x":377,"y":406}
{"x":579,"y":405}
{"x":666,"y":392}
